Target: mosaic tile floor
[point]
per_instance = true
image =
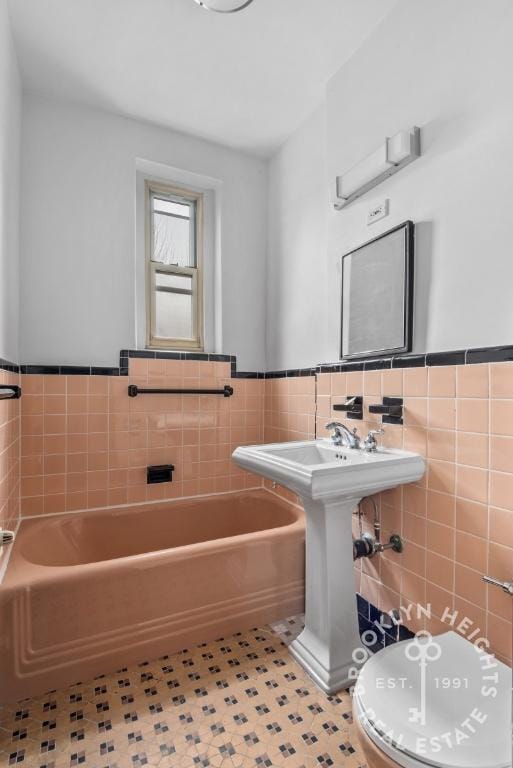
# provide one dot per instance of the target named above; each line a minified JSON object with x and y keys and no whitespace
{"x":235,"y":703}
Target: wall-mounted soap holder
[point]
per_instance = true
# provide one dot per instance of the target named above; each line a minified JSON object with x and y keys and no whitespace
{"x":353,"y":407}
{"x":391,"y":410}
{"x":159,"y":473}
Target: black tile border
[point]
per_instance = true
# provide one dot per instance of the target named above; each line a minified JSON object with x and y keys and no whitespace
{"x":410,"y":361}
{"x":247,"y":375}
{"x":378,"y":365}
{"x":70,"y":370}
{"x":414,"y":360}
{"x":6,"y":365}
{"x":124,"y":356}
{"x":446,"y":358}
{"x":155,"y":354}
{"x":489,"y":355}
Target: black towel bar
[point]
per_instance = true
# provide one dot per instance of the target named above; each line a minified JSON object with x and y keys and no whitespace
{"x":134,"y":390}
{"x":14,"y":392}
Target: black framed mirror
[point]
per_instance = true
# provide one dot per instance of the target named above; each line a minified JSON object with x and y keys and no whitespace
{"x":377,"y":295}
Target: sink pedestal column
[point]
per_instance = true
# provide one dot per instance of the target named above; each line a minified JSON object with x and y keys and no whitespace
{"x":325,"y":647}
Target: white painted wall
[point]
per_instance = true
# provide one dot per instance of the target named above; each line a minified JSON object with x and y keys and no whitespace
{"x":10,"y":126}
{"x":297,"y":308}
{"x":78,"y":244}
{"x":445,"y":66}
{"x":452,"y":79}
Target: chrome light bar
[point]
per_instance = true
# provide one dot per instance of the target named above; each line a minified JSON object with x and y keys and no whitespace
{"x":395,"y":153}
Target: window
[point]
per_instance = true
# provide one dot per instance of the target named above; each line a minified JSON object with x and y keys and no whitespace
{"x":174,"y":278}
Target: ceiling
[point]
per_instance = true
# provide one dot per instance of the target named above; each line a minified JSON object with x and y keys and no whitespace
{"x":246,"y":80}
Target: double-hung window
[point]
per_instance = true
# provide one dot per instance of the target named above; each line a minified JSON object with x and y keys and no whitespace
{"x":174,"y":279}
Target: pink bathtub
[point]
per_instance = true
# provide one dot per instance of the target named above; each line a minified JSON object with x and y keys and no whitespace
{"x":89,"y":593}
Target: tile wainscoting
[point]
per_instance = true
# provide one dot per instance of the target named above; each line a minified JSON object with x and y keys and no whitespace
{"x":457,"y":523}
{"x":86,"y":444}
{"x":9,"y":454}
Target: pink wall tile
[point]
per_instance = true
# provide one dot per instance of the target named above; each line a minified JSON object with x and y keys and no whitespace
{"x":472,"y":415}
{"x":415,"y":500}
{"x":10,"y":466}
{"x":501,"y":380}
{"x":415,"y":382}
{"x":469,"y":612}
{"x":442,"y":413}
{"x":501,"y":527}
{"x":442,"y":381}
{"x":392,"y":383}
{"x":372,"y":383}
{"x":472,"y":484}
{"x":472,"y":381}
{"x":501,"y":453}
{"x":440,"y":539}
{"x":441,"y":476}
{"x":86,"y":429}
{"x":472,"y":449}
{"x":415,"y":439}
{"x":338,"y":384}
{"x":440,"y":571}
{"x":468,"y":583}
{"x":85,"y":443}
{"x":414,"y":529}
{"x":471,"y":517}
{"x":441,"y":444}
{"x":471,"y":551}
{"x":499,"y":635}
{"x":501,"y":490}
{"x":501,"y":417}
{"x":415,"y":411}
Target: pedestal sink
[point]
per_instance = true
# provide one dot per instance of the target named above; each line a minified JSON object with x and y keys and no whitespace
{"x":330,"y":480}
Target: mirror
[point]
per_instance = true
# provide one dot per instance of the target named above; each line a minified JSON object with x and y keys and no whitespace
{"x":377,"y":295}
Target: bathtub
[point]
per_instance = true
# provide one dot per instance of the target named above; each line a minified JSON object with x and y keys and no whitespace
{"x":89,"y":593}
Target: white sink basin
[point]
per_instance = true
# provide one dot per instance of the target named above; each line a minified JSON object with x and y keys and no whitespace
{"x":320,"y":469}
{"x":330,"y":480}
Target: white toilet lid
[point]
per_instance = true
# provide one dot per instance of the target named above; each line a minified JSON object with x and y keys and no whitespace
{"x":466,"y":722}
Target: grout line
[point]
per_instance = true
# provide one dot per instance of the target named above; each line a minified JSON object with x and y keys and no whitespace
{"x":131,"y":505}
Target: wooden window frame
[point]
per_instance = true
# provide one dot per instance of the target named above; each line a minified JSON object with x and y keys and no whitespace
{"x":175,"y":194}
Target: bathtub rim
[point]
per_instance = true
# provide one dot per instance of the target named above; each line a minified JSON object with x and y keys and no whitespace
{"x":40,"y":574}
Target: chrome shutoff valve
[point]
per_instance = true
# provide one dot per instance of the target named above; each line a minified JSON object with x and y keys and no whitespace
{"x":6,"y":537}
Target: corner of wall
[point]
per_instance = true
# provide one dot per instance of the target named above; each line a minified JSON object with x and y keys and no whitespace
{"x":10,"y":161}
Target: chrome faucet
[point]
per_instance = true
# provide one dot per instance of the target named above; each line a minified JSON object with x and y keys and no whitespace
{"x":343,"y":436}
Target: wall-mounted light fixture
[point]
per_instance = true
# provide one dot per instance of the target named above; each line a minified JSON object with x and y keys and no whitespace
{"x":390,"y":157}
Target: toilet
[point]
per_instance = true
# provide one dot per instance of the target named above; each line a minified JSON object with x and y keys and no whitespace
{"x":464,"y":721}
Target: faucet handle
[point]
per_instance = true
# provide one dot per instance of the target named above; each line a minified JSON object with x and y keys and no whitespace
{"x":370,"y":442}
